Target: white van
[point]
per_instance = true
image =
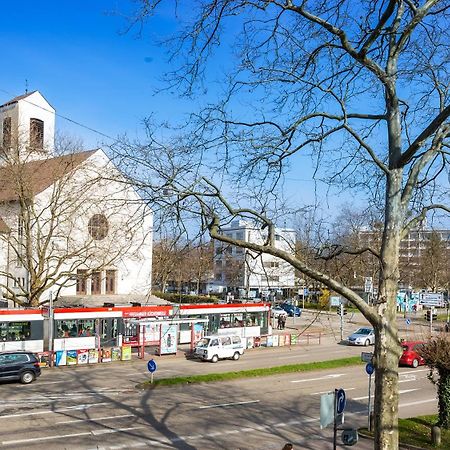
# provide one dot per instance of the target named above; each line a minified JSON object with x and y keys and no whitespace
{"x":213,"y":348}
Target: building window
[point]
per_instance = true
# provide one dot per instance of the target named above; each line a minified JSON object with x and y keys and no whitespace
{"x":98,"y":227}
{"x":96,"y":283}
{"x":111,"y":280}
{"x":81,"y":282}
{"x":36,"y":134}
{"x":7,"y":132}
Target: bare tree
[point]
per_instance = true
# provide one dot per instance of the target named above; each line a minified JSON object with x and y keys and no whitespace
{"x":54,"y":208}
{"x":361,"y":87}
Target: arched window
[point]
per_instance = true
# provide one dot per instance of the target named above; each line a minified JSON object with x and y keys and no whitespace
{"x":36,"y":134}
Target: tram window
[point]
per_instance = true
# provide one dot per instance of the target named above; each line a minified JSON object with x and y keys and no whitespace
{"x":75,"y":328}
{"x":15,"y":331}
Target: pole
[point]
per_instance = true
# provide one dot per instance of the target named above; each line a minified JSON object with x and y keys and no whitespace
{"x":335,"y":421}
{"x":50,"y":323}
{"x":342,"y":321}
{"x":369,"y":405}
{"x":431,"y":321}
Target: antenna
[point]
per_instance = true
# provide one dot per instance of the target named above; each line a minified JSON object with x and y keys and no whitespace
{"x":26,"y":86}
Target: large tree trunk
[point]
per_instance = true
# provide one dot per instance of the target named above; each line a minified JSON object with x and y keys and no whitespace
{"x":387,"y":344}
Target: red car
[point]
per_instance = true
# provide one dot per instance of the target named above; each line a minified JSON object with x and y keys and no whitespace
{"x":410,"y":357}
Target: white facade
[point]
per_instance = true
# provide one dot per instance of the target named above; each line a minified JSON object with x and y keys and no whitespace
{"x":97,"y":229}
{"x":257,"y":275}
{"x":20,"y":112}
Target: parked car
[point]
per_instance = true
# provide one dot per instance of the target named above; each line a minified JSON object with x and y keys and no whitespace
{"x":278,"y":311}
{"x":19,"y":365}
{"x":213,"y":348}
{"x":363,"y":336}
{"x":292,"y":309}
{"x":410,"y":355}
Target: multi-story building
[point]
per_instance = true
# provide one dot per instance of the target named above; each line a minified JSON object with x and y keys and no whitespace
{"x":250,"y":274}
{"x":424,"y":257}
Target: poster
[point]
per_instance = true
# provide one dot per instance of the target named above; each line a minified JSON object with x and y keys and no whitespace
{"x":116,"y":354}
{"x":287,"y":339}
{"x":281,"y":340}
{"x":250,"y":342}
{"x":106,"y":354}
{"x":168,"y":342}
{"x":269,"y":341}
{"x":275,"y":340}
{"x":60,"y":358}
{"x":257,"y":341}
{"x":93,"y":356}
{"x":126,"y":353}
{"x":83,"y":356}
{"x":44,"y":359}
{"x":198,"y":332}
{"x":71,"y":357}
{"x":294,"y":339}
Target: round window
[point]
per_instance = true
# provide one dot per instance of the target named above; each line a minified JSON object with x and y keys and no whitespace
{"x":98,"y":226}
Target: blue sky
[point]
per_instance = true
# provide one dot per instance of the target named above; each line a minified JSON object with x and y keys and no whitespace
{"x":77,"y":56}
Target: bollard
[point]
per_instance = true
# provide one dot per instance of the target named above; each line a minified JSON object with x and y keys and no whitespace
{"x":435,"y":435}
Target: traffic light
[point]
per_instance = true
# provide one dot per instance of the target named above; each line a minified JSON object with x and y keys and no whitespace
{"x":341,"y":310}
{"x":430,"y":314}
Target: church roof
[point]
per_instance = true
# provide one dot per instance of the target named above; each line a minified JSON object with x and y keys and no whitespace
{"x":35,"y":176}
{"x":3,"y":227}
{"x":16,"y":99}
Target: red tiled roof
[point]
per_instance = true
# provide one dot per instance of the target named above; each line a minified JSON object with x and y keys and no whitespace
{"x":35,"y":176}
{"x":16,"y":99}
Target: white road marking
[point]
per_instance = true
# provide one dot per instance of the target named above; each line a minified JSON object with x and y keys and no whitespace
{"x":418,"y":402}
{"x":228,"y":404}
{"x":63,"y":436}
{"x":95,"y":419}
{"x":326,"y":392}
{"x":414,"y":371}
{"x":372,"y":396}
{"x":56,"y":411}
{"x":326,"y":377}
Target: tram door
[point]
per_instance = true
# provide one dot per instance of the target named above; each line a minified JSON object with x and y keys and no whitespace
{"x":108,"y":331}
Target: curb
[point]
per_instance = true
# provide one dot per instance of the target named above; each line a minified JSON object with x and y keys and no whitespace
{"x":400,"y":445}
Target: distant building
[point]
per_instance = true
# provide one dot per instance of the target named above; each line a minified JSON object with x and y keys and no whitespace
{"x":415,"y":252}
{"x":248,"y":274}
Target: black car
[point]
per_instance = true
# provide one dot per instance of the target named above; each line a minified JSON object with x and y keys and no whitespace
{"x":19,"y":365}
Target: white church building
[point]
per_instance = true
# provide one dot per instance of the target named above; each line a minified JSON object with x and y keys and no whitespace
{"x":71,"y":227}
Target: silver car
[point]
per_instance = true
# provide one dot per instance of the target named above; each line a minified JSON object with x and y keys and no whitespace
{"x":363,"y":336}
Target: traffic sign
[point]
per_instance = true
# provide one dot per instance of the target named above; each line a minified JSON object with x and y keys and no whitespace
{"x":370,"y":369}
{"x":340,"y":401}
{"x":366,"y":357}
{"x":151,"y":366}
{"x":408,"y":321}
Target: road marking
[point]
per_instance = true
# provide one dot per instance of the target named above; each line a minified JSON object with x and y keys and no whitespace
{"x":63,"y":436}
{"x":56,"y":411}
{"x":326,"y":392}
{"x":418,"y":402}
{"x":404,"y":391}
{"x":96,"y":419}
{"x":228,"y":404}
{"x":326,"y":377}
{"x":414,"y":371}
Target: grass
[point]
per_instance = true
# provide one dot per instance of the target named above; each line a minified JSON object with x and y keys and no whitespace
{"x":417,"y":431}
{"x":227,"y":376}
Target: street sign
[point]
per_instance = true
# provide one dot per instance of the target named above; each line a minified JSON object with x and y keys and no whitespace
{"x":326,"y":409}
{"x":370,"y":369}
{"x":408,"y":321}
{"x":340,"y":401}
{"x":151,"y":366}
{"x":366,"y":357}
{"x":368,"y":285}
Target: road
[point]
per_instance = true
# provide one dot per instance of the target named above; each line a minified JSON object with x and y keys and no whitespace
{"x":99,"y":406}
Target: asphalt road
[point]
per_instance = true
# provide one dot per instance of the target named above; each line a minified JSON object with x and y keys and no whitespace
{"x":99,"y":407}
